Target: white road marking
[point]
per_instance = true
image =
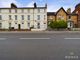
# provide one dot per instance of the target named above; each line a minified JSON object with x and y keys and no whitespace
{"x":72,"y":38}
{"x":71,"y":56}
{"x":3,"y":38}
{"x":34,"y":38}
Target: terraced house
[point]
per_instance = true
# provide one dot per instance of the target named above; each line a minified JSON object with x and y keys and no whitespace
{"x":77,"y":11}
{"x":68,"y":16}
{"x":21,"y":18}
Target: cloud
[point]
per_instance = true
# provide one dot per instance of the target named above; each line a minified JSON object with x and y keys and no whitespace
{"x":53,"y":5}
{"x":30,"y":4}
{"x":54,"y":8}
{"x":41,"y":0}
{"x":6,"y":3}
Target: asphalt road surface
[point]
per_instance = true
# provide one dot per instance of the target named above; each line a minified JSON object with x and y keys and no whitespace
{"x":39,"y":46}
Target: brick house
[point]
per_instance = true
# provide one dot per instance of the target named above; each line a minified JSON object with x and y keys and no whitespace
{"x":77,"y":11}
{"x":61,"y":14}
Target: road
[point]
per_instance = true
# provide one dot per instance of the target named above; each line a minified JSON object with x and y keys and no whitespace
{"x":39,"y":46}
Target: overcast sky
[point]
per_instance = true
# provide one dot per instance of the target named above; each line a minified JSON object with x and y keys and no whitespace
{"x":53,"y":5}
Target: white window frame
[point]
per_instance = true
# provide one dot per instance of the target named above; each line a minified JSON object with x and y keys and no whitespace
{"x":38,"y":17}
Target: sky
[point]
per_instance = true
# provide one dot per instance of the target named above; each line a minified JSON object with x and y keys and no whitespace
{"x":53,"y":5}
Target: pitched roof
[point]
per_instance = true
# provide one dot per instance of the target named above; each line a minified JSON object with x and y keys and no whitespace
{"x":62,"y":9}
{"x":51,"y":13}
{"x":77,"y":5}
{"x":73,"y":14}
{"x":55,"y":13}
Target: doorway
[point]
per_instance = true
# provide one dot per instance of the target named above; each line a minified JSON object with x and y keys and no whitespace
{"x":19,"y":26}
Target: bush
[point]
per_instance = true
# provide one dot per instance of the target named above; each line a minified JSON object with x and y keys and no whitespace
{"x":58,"y":24}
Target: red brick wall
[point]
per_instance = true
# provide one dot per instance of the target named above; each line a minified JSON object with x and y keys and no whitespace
{"x":77,"y":10}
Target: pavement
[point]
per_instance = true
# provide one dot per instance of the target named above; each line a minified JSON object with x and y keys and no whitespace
{"x":39,"y":31}
{"x":55,"y":45}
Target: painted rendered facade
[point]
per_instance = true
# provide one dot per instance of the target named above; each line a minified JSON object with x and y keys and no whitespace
{"x":23,"y":17}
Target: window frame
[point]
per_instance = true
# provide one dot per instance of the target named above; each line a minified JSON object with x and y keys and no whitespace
{"x":28,"y":17}
{"x":0,"y":17}
{"x":38,"y":17}
{"x":22,"y":17}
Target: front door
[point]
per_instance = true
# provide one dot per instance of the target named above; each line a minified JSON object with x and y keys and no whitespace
{"x":70,"y":24}
{"x":38,"y":25}
{"x":19,"y":26}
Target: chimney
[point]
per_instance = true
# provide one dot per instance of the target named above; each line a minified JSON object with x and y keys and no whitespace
{"x":13,"y":5}
{"x":46,"y":5}
{"x":35,"y":5}
{"x":69,"y":10}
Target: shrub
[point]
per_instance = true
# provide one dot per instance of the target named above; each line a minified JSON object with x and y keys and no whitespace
{"x":58,"y":24}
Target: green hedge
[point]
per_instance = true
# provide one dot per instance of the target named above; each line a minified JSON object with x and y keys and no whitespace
{"x":58,"y":24}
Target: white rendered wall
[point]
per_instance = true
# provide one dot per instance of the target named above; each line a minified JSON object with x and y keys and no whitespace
{"x":33,"y":18}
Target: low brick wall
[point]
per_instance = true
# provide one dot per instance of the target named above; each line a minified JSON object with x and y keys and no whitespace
{"x":76,"y":29}
{"x":37,"y":30}
{"x":15,"y":30}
